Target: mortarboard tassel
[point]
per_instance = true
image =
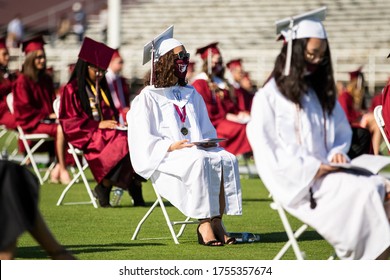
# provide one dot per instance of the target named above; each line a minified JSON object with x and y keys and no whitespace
{"x":289,"y":48}
{"x":152,"y":64}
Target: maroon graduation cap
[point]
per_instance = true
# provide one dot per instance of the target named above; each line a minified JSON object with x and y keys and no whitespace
{"x":96,"y":53}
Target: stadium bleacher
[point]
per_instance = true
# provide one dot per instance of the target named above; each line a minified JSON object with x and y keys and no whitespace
{"x":358,"y":33}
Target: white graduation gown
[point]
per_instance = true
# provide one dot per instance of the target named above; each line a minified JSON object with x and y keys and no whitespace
{"x":289,"y":146}
{"x":189,"y":178}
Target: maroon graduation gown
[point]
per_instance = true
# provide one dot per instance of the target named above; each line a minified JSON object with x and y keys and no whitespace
{"x":386,"y":109}
{"x":346,"y":101}
{"x":218,"y":106}
{"x":33,"y":102}
{"x":6,"y":118}
{"x":244,"y":99}
{"x":103,"y":148}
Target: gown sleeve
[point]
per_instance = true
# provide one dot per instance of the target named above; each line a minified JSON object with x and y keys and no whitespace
{"x":147,"y":145}
{"x":77,"y":125}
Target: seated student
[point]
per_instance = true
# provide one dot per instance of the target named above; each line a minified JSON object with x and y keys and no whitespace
{"x":33,"y":103}
{"x":224,"y":114}
{"x":6,"y":82}
{"x":119,"y":88}
{"x":242,"y":96}
{"x":248,"y":85}
{"x":298,"y":129}
{"x":19,"y":191}
{"x":352,"y":102}
{"x":164,"y":120}
{"x":90,"y":123}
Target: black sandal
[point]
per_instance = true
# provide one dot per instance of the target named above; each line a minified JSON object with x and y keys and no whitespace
{"x":229,"y":240}
{"x":214,"y":242}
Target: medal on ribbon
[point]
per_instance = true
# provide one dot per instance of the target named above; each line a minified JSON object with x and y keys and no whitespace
{"x":184,"y":131}
{"x":182,"y":115}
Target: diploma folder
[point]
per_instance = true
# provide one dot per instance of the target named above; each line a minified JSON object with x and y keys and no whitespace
{"x":209,"y":141}
{"x":369,"y":164}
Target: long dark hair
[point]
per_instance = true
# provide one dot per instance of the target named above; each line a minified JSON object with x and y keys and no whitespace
{"x":164,"y":72}
{"x":296,"y":84}
{"x":80,"y":74}
{"x":30,"y":70}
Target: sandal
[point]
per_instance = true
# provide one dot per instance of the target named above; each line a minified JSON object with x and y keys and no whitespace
{"x":231,"y":241}
{"x":213,"y":242}
{"x":224,"y":238}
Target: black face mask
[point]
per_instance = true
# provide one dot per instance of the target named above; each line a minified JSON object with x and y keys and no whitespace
{"x":181,"y":66}
{"x":311,"y":67}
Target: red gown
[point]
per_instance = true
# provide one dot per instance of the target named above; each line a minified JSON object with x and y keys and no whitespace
{"x":33,"y":102}
{"x":375,"y":101}
{"x":244,"y":99}
{"x":386,"y":109}
{"x":218,"y":105}
{"x":359,"y":138}
{"x":103,"y":148}
{"x":6,"y":117}
{"x":346,"y":101}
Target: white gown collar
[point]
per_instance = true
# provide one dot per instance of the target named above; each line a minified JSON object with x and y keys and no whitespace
{"x":177,"y":95}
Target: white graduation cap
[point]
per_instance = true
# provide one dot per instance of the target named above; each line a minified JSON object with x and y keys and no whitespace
{"x":159,"y":46}
{"x":306,"y":25}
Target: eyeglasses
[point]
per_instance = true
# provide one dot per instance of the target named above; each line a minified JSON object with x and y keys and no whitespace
{"x":314,"y":57}
{"x":96,"y":69}
{"x":39,"y":57}
{"x":183,"y":55}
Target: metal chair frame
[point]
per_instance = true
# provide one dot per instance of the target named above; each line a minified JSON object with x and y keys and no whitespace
{"x":76,"y":154}
{"x":159,"y":201}
{"x":38,"y":139}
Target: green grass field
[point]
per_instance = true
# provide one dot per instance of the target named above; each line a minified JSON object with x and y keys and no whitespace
{"x":105,"y":234}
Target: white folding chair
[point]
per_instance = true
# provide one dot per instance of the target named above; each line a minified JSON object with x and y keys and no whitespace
{"x":381,"y":124}
{"x":170,"y":224}
{"x":37,"y":139}
{"x":291,"y":234}
{"x":9,"y":135}
{"x":76,"y":154}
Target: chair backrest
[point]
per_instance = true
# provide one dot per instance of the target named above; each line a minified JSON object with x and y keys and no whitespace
{"x":56,"y":106}
{"x":381,"y":124}
{"x":10,"y":102}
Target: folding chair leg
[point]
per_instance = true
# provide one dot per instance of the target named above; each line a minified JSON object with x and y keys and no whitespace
{"x":48,"y":171}
{"x":167,"y":220}
{"x":143,"y":220}
{"x":183,"y":225}
{"x":32,"y":160}
{"x":86,"y":184}
{"x":170,"y":223}
{"x":292,"y":242}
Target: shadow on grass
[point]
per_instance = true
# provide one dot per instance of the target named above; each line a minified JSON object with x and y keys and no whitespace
{"x":36,"y":252}
{"x":275,"y":237}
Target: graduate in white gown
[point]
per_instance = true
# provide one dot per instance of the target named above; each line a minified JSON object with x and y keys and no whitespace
{"x":164,"y":120}
{"x":297,"y":129}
